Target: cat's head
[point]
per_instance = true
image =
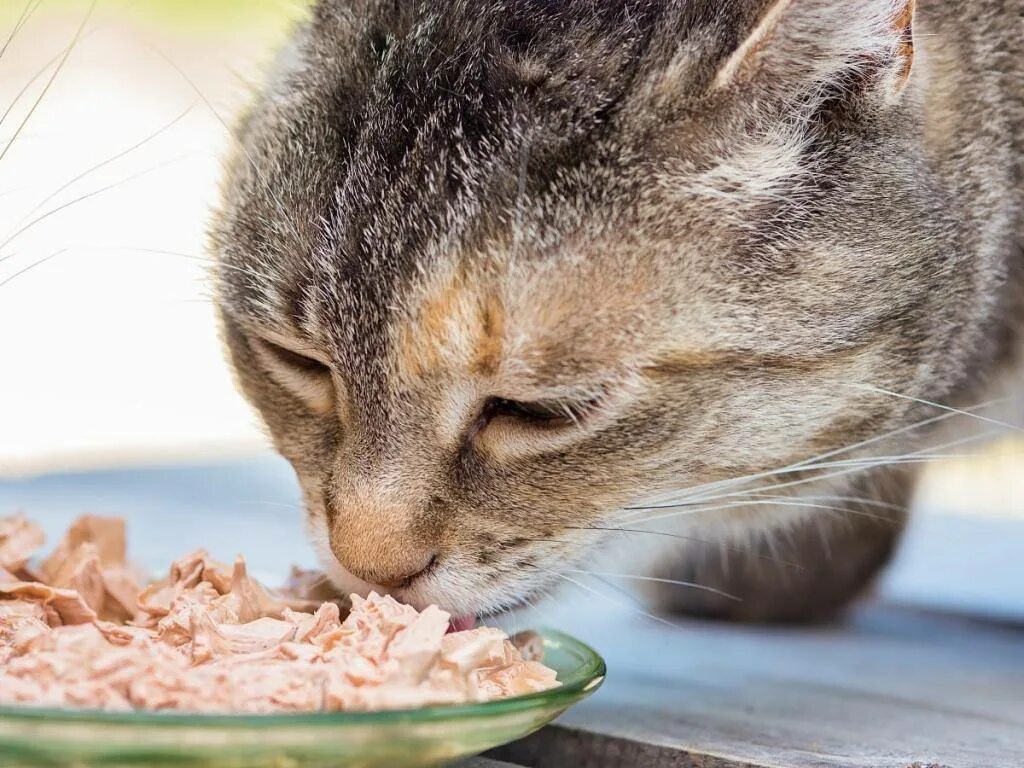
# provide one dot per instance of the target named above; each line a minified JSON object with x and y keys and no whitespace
{"x":490,"y":271}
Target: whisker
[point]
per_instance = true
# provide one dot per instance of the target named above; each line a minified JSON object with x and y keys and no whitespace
{"x":42,"y":70}
{"x":32,"y":266}
{"x":26,"y":13}
{"x":265,"y":503}
{"x":528,"y":599}
{"x":619,"y":591}
{"x":698,"y":490}
{"x":690,"y":494}
{"x":88,"y":195}
{"x":547,"y":540}
{"x":693,"y":509}
{"x":761,"y":502}
{"x":748,"y":498}
{"x":853,"y":499}
{"x":856,"y":464}
{"x":194,"y":257}
{"x":28,"y":84}
{"x":931,"y":404}
{"x":655,"y":579}
{"x":278,"y":202}
{"x":322,"y":580}
{"x":106,"y":162}
{"x":525,"y":602}
{"x":666,"y":534}
{"x":603,"y":596}
{"x":49,"y":82}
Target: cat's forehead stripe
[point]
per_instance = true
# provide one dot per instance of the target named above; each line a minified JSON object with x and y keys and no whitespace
{"x":458,"y":325}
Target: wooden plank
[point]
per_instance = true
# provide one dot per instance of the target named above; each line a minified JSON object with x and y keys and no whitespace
{"x":890,"y":689}
{"x":559,"y":746}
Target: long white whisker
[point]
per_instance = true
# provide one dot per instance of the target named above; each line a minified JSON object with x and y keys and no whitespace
{"x":33,"y":265}
{"x":278,"y":202}
{"x":603,"y":596}
{"x":266,"y":503}
{"x":865,"y":463}
{"x":194,"y":257}
{"x":28,"y":84}
{"x":658,"y":580}
{"x":755,"y":502}
{"x":679,"y":537}
{"x":804,"y":481}
{"x":618,"y":590}
{"x":854,"y":499}
{"x":42,"y":70}
{"x":106,"y":162}
{"x":26,"y":13}
{"x":931,"y":404}
{"x":699,"y":490}
{"x":49,"y":82}
{"x":42,"y":217}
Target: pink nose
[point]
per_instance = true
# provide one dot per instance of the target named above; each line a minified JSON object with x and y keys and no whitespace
{"x":380,"y":551}
{"x":392,"y":580}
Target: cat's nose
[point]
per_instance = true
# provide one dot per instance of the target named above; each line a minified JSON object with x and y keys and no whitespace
{"x":402,"y":580}
{"x":379,"y":552}
{"x":390,"y":570}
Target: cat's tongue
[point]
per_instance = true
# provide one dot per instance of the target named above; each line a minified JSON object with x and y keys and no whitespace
{"x":462,"y":623}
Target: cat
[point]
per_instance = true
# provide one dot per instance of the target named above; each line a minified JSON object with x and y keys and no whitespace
{"x":509,"y":282}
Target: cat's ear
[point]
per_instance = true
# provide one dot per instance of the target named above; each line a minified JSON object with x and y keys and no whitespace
{"x":808,"y":44}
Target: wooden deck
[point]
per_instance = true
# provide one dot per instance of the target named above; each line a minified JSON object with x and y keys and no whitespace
{"x":895,"y":686}
{"x":891,"y":689}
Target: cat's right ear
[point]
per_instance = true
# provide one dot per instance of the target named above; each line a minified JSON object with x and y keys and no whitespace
{"x":804,"y":46}
{"x":744,"y":62}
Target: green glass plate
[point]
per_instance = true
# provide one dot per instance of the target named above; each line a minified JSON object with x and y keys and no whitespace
{"x":31,"y":737}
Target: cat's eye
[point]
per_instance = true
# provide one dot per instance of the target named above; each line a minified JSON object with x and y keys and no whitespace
{"x":548,"y":414}
{"x":299,"y":362}
{"x":307,"y":377}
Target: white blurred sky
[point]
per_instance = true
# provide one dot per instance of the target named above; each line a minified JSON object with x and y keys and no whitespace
{"x":109,"y":352}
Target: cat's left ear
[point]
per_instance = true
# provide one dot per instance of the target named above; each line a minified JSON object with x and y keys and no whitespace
{"x":812,"y":43}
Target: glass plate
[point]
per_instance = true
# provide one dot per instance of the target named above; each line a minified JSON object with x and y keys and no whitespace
{"x":32,"y":737}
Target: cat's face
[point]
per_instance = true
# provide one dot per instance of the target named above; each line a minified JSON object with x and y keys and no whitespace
{"x":490,"y":278}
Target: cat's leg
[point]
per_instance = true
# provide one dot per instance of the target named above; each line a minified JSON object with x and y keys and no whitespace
{"x":832,"y":558}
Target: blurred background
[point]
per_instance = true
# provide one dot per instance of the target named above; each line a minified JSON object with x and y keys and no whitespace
{"x":109,"y":351}
{"x":114,"y":396}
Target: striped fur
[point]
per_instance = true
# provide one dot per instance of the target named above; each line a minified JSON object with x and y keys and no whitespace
{"x":692,"y":220}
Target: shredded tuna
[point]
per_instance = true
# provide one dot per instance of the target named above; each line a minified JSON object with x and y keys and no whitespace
{"x":82,"y":631}
{"x":19,"y":541}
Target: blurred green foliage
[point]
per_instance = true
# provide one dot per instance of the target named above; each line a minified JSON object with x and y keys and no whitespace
{"x":219,"y":12}
{"x":195,"y":14}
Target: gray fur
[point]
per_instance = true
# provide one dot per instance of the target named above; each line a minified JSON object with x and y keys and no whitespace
{"x":561,"y":199}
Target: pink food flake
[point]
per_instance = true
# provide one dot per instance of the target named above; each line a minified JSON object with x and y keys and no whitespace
{"x":82,"y":630}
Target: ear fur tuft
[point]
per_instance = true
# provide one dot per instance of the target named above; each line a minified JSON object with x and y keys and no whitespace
{"x":807,"y":44}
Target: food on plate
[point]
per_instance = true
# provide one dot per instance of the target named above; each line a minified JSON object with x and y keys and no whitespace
{"x":82,"y":628}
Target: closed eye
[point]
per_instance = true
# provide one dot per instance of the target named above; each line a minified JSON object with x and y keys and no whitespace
{"x":546,"y":414}
{"x":306,"y":377}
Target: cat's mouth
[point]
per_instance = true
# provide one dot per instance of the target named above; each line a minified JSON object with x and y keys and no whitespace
{"x":462,"y":623}
{"x":346,"y":582}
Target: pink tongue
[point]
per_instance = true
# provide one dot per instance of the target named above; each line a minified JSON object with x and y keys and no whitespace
{"x":462,"y":623}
